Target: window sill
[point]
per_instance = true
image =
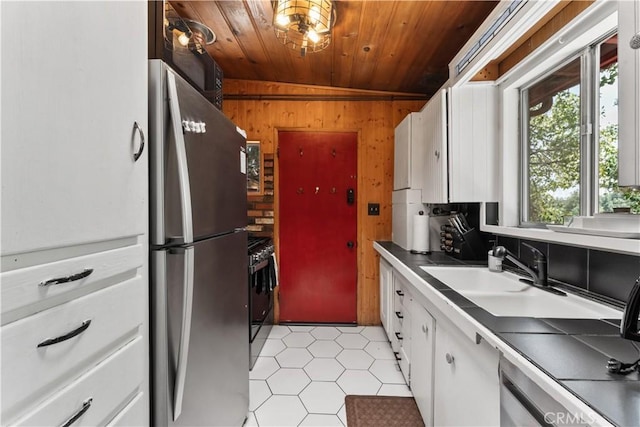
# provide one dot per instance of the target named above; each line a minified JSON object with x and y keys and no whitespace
{"x":609,"y":244}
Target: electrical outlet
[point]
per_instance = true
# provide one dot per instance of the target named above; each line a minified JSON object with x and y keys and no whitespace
{"x":374,"y":209}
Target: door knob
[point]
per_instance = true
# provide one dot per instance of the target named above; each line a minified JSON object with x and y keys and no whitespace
{"x":350,"y":244}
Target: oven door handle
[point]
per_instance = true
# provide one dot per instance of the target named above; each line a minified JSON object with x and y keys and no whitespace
{"x":258,"y":266}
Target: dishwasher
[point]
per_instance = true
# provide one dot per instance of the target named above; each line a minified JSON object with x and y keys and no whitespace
{"x":525,"y":404}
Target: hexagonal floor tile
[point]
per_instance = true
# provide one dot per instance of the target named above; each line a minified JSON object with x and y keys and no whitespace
{"x":301,"y":328}
{"x":272,"y":347}
{"x":324,"y":349}
{"x":258,"y":392}
{"x":342,"y":414}
{"x":324,"y":369}
{"x":322,"y":398}
{"x":293,"y":358}
{"x":281,"y":411}
{"x":288,"y":381}
{"x":374,"y":333}
{"x":298,"y":339}
{"x":359,"y":382}
{"x":356,"y":341}
{"x":380,"y":350}
{"x":387,"y":371}
{"x":355,"y":359}
{"x":279,"y":331}
{"x":350,"y":329}
{"x":264,"y":368}
{"x":325,"y":333}
{"x":401,"y":390}
{"x":321,"y":420}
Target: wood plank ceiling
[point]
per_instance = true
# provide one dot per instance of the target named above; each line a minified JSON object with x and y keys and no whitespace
{"x":392,"y":46}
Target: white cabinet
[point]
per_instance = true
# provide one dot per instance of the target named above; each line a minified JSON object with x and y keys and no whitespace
{"x":68,"y":138}
{"x":408,"y":151}
{"x":74,"y":213}
{"x":460,"y":161}
{"x":423,"y":328}
{"x":629,"y":94}
{"x":466,"y":387}
{"x":386,"y":295}
{"x":401,"y":325}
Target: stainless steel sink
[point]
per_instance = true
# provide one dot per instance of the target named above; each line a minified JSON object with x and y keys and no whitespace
{"x":502,"y":294}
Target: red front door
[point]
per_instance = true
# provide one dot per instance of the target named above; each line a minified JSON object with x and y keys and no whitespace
{"x":317,"y":184}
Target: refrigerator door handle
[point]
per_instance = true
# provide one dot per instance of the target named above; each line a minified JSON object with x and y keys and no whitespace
{"x":185,"y":334}
{"x":181,"y":155}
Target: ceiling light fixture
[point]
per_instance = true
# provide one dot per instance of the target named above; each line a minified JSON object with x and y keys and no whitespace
{"x":304,"y":24}
{"x":189,"y":33}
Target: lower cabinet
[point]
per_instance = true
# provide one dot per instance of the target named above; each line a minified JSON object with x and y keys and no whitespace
{"x":422,"y":349}
{"x":466,"y":383}
{"x":453,"y":380}
{"x":386,"y":296}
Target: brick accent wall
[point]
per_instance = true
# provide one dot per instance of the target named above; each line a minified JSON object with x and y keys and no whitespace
{"x":260,"y":207}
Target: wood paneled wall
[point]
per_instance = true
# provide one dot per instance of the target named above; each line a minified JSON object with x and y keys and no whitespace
{"x":374,"y":120}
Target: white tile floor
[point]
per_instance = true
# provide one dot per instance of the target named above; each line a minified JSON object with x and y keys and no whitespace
{"x":304,"y":372}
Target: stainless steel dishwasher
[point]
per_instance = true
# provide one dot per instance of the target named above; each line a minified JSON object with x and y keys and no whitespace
{"x":524,"y":403}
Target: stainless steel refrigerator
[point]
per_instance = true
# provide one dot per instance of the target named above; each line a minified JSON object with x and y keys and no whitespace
{"x":198,"y":239}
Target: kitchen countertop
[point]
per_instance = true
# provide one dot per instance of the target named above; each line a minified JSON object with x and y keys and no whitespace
{"x":573,"y":352}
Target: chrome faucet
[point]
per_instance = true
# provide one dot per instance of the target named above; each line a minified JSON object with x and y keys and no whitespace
{"x":538,"y":272}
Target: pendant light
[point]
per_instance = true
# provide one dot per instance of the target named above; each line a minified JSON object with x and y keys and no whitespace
{"x":304,"y":25}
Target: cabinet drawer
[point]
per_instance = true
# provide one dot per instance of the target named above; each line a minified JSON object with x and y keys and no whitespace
{"x":109,"y":387}
{"x":22,"y":292}
{"x":405,"y":363}
{"x":136,"y":413}
{"x":31,"y":373}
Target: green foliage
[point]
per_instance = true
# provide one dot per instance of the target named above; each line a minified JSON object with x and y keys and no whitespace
{"x":554,"y":160}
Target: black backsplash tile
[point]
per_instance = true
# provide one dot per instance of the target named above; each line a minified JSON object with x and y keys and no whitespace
{"x":568,"y":264}
{"x":611,"y":274}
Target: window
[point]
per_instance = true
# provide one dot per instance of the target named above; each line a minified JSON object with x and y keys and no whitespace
{"x":569,"y":140}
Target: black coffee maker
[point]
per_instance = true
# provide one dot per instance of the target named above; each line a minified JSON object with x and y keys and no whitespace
{"x":628,"y":329}
{"x":629,"y":326}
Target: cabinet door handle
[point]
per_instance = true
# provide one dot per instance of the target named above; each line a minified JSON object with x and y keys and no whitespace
{"x":437,"y":154}
{"x":425,"y":329}
{"x":397,"y":355}
{"x":449,"y":358}
{"x":85,"y":407}
{"x":635,"y":41}
{"x":398,"y":335}
{"x":137,"y":154}
{"x":80,"y":329}
{"x":400,"y":293}
{"x":72,"y":278}
{"x":399,"y":315}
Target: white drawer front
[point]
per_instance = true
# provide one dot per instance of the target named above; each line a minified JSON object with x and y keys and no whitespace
{"x":30,"y":373}
{"x":109,"y":386}
{"x":22,"y":293}
{"x":135,"y":414}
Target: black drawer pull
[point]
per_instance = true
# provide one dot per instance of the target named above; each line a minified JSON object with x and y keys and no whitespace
{"x":85,"y":407}
{"x":396,"y":354}
{"x":67,"y":279}
{"x":399,"y":292}
{"x":399,"y":335}
{"x":66,"y":336}
{"x":400,"y":316}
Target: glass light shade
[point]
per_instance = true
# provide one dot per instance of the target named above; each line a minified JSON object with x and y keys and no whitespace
{"x":304,"y":24}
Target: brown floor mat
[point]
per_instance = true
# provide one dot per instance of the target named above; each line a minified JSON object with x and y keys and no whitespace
{"x":382,"y":411}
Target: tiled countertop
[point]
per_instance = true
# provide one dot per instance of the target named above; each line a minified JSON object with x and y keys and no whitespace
{"x":574,"y":352}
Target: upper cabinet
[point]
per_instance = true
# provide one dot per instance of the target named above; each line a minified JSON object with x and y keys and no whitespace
{"x":408,"y":153}
{"x":78,"y":114}
{"x":629,"y":93}
{"x":460,"y":162}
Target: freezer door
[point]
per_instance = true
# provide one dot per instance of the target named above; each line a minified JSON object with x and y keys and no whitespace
{"x":214,"y":164}
{"x":216,"y":384}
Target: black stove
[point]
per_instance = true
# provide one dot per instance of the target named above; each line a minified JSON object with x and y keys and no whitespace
{"x":262,"y":279}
